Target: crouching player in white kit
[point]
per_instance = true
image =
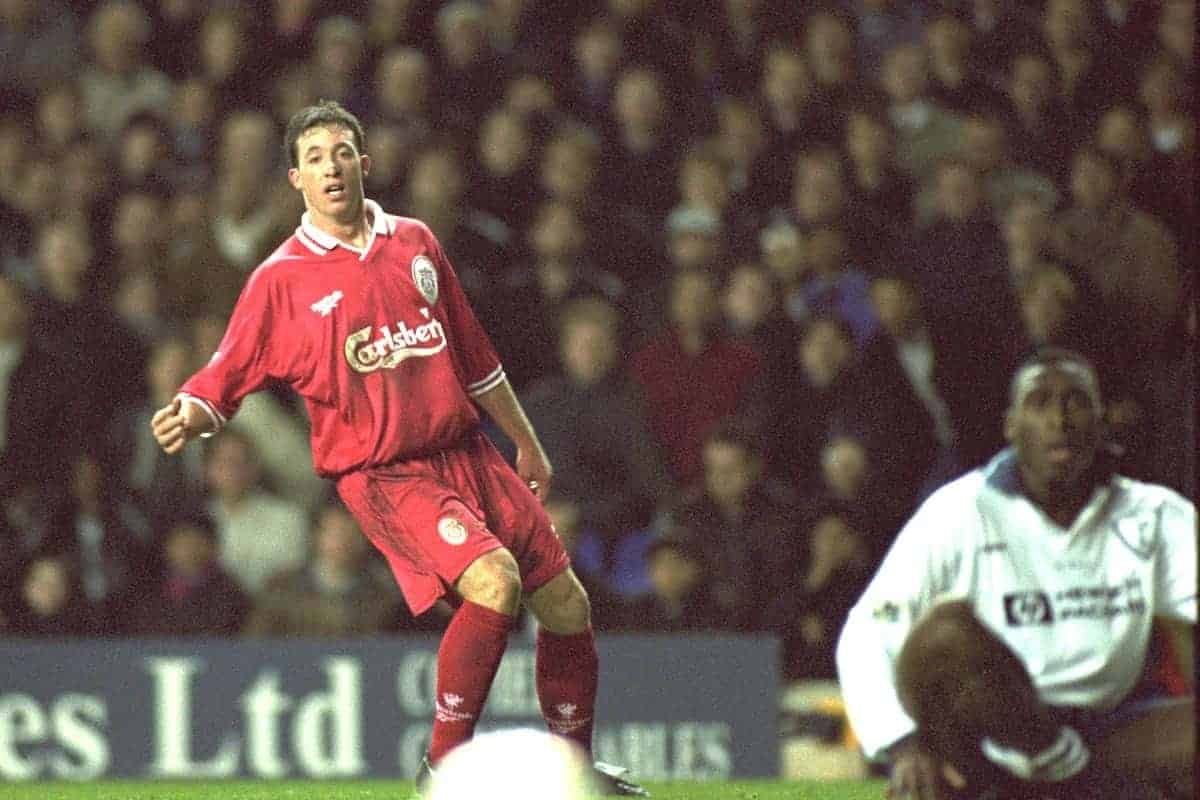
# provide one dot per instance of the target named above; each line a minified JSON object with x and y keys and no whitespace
{"x":996,"y":652}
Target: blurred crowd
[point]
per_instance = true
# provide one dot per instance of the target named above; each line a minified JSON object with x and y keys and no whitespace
{"x":760,"y":270}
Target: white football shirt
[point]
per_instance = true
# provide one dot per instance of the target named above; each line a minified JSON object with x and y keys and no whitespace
{"x":1075,"y":604}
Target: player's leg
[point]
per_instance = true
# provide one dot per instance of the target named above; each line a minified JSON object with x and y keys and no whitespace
{"x":963,"y":686}
{"x":1158,"y":744}
{"x":567,"y":671}
{"x":472,"y":646}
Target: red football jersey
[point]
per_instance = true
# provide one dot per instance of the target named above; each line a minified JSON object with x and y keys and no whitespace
{"x":381,"y":344}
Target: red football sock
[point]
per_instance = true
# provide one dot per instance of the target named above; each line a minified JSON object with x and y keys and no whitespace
{"x":567,"y":675}
{"x":467,"y":661}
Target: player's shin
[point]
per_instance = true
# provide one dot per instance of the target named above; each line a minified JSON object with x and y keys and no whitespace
{"x":468,"y":658}
{"x":567,"y":678}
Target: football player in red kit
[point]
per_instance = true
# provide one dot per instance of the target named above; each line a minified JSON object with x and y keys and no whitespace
{"x":361,"y":313}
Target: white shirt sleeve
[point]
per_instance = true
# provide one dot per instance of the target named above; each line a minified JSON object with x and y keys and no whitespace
{"x":921,"y":567}
{"x":1175,"y":569}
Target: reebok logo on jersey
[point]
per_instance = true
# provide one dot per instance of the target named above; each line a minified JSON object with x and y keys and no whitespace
{"x":326,"y":304}
{"x":366,"y":352}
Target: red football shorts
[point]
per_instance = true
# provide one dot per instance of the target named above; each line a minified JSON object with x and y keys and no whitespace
{"x":432,"y":516}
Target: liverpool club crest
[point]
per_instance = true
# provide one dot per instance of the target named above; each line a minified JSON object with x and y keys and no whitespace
{"x":425,"y":277}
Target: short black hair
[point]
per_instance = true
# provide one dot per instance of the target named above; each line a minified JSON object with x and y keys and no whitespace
{"x":324,"y":113}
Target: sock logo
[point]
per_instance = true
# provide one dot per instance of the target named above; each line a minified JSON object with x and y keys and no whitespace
{"x":446,"y":709}
{"x":566,"y":710}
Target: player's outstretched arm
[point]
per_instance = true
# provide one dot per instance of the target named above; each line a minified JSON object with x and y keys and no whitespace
{"x":177,"y":424}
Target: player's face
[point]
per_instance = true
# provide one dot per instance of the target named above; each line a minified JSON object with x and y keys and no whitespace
{"x":1055,"y":429}
{"x":330,"y":174}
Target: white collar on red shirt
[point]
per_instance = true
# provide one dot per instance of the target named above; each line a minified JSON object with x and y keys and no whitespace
{"x":321,"y":242}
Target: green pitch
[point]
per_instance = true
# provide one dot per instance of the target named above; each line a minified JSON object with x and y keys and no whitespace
{"x":385,"y":790}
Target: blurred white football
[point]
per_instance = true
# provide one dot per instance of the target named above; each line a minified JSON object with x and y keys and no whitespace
{"x":514,"y":764}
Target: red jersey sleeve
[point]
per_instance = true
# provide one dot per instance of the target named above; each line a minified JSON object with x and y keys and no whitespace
{"x":257,"y":346}
{"x":475,"y":359}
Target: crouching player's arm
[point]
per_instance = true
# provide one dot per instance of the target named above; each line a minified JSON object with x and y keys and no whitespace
{"x":919,"y":568}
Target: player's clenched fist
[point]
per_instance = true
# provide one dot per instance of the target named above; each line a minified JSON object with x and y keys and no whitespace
{"x":177,"y":424}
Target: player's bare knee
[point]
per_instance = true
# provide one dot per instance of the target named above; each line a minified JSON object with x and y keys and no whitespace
{"x":493,"y":580}
{"x":562,"y":605}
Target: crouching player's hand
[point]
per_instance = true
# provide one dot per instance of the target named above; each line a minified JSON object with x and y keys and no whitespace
{"x":917,"y":774}
{"x":177,"y":424}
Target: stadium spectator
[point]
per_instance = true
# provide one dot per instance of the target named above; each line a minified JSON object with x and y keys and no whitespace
{"x":880,"y":192}
{"x":1177,"y":32}
{"x":690,"y":352}
{"x":1163,"y":93}
{"x":956,"y":83}
{"x":834,"y":284}
{"x":782,"y":248}
{"x":594,"y":427}
{"x":829,"y":45}
{"x":639,"y":167}
{"x":596,"y":56}
{"x":503,"y":182}
{"x":1070,"y":36}
{"x":227,"y":61}
{"x":811,"y":593}
{"x":531,"y":295}
{"x":754,"y":316}
{"x":695,"y":239}
{"x":59,"y":117}
{"x":703,"y":181}
{"x":741,"y":141}
{"x":338,"y":592}
{"x":339,"y":50}
{"x":119,"y":81}
{"x":247,"y":211}
{"x":51,"y":603}
{"x":105,"y":539}
{"x":826,"y":356}
{"x":920,"y":379}
{"x":292,"y":27}
{"x":38,"y":45}
{"x":396,"y":22}
{"x":681,"y":599}
{"x":739,"y":518}
{"x":436,"y":194}
{"x":193,"y":596}
{"x":986,"y":149}
{"x":794,"y":119}
{"x":161,"y":486}
{"x":879,"y":25}
{"x":1047,"y":133}
{"x":980,"y":645}
{"x":469,"y":74}
{"x":144,"y":157}
{"x":260,"y":532}
{"x":35,"y":398}
{"x":925,"y":132}
{"x":959,"y":260}
{"x":1129,"y":256}
{"x":402,"y":91}
{"x":175,"y":25}
{"x":69,"y":318}
{"x":1027,"y":227}
{"x":138,"y":235}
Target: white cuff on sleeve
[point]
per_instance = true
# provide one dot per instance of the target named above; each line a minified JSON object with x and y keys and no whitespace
{"x":217,"y":420}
